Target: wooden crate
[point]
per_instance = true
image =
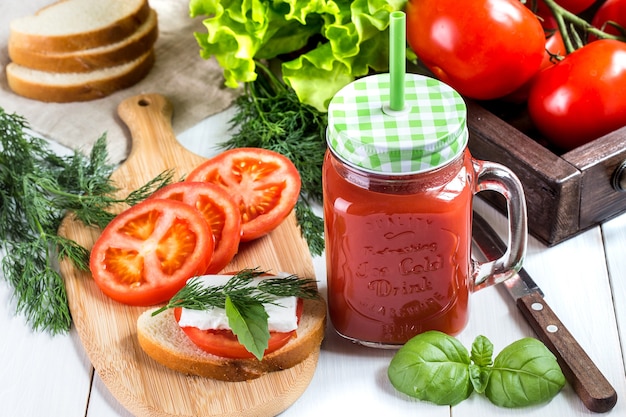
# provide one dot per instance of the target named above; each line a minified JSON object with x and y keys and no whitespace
{"x":566,"y":194}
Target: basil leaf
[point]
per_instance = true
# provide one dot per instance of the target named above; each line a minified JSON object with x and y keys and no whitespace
{"x":524,"y":373}
{"x":432,"y":366}
{"x":482,"y":359}
{"x":482,"y":351}
{"x":479,"y":377}
{"x":249,"y":323}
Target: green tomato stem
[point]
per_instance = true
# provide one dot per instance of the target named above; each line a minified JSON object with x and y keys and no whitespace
{"x":563,"y":17}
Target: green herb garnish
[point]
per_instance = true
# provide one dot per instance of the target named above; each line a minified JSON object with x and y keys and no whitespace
{"x":243,"y":302}
{"x":269,"y":115}
{"x":37,"y":189}
{"x":524,"y":373}
{"x":436,"y":367}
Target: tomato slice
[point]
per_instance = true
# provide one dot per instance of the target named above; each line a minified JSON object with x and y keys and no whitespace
{"x":264,"y":184}
{"x":220,"y":212}
{"x":224,"y":343}
{"x":149,"y":251}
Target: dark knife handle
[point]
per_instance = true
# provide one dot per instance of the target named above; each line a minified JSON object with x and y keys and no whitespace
{"x":589,"y":383}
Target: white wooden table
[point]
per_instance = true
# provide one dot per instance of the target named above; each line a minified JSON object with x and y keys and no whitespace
{"x":584,"y":280}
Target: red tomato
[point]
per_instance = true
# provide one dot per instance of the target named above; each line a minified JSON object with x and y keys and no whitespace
{"x":578,"y":99}
{"x":554,"y":47}
{"x":484,"y":49}
{"x":224,"y":343}
{"x":610,"y":11}
{"x":220,"y":212}
{"x":264,"y":184}
{"x":148,"y":252}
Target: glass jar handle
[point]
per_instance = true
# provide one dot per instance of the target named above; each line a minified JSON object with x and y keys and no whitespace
{"x":498,"y":178}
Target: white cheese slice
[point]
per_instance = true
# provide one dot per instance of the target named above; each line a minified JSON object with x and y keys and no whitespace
{"x":282,"y":313}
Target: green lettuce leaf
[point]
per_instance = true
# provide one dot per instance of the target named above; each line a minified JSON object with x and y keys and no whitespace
{"x":323,"y":44}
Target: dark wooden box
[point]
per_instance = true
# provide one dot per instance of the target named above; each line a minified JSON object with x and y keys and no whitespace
{"x":565,"y":194}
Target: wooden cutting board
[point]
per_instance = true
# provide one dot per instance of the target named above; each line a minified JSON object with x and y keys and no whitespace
{"x":107,"y":329}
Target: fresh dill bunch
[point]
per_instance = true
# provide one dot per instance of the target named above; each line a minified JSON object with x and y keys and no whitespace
{"x":270,"y":115}
{"x":197,"y":296}
{"x":38,"y":188}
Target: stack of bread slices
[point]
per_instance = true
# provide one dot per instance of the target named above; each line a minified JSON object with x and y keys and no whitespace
{"x":79,"y":50}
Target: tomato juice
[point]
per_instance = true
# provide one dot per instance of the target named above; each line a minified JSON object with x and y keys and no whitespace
{"x":398,"y":188}
{"x":398,"y":250}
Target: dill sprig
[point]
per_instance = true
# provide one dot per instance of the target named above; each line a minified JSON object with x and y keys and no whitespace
{"x":196,"y":295}
{"x":37,"y":189}
{"x":270,"y":115}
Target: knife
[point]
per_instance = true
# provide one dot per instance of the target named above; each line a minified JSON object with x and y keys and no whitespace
{"x":588,"y":382}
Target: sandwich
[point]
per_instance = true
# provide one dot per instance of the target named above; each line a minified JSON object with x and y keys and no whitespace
{"x":236,"y":327}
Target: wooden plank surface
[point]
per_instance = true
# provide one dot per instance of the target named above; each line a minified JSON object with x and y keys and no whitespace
{"x":28,"y":362}
{"x":107,"y":329}
{"x":614,"y":237}
{"x":572,"y":274}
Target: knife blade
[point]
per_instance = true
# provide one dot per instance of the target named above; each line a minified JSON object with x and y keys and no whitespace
{"x":594,"y":390}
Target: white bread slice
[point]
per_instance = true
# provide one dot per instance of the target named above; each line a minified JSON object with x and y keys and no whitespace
{"x":73,"y":25}
{"x":78,"y":86}
{"x":131,"y":48}
{"x":164,"y":341}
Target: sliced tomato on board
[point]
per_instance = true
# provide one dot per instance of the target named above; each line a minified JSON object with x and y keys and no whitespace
{"x":218,"y":209}
{"x":265,"y":185}
{"x":148,"y":252}
{"x":224,"y":343}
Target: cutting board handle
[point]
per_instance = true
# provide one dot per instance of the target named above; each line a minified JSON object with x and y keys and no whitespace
{"x":154,"y":147}
{"x":149,"y":119}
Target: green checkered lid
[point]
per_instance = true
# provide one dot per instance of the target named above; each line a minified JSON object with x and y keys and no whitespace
{"x":430,"y":132}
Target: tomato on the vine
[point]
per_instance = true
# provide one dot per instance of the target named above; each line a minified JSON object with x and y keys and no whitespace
{"x":218,"y":209}
{"x":484,"y":49}
{"x":610,"y":11}
{"x":555,"y":48}
{"x":149,"y":251}
{"x":224,"y":343}
{"x":264,"y":184}
{"x":578,"y":99}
